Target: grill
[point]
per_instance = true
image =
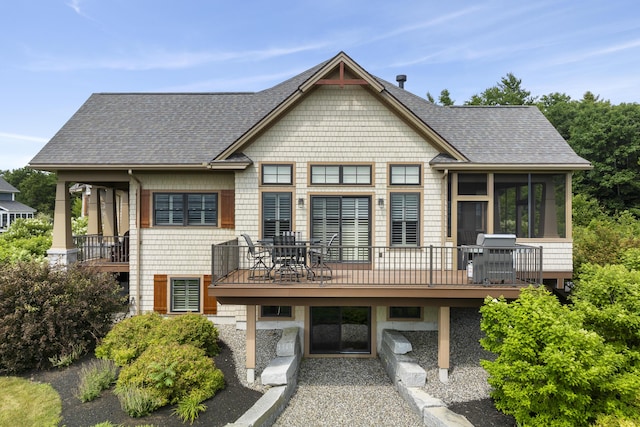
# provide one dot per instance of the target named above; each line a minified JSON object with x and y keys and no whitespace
{"x":494,"y":259}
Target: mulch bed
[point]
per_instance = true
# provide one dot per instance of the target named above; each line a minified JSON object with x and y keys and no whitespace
{"x":225,"y":407}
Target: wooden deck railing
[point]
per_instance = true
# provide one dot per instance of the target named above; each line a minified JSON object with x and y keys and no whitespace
{"x":385,"y":265}
{"x":99,"y":248}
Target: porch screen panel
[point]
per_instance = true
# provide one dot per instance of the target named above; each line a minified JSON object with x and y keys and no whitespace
{"x":276,"y":213}
{"x":404,"y":219}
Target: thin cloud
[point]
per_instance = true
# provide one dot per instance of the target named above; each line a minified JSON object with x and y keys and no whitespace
{"x":579,"y":57}
{"x":21,"y":137}
{"x":160,"y":59}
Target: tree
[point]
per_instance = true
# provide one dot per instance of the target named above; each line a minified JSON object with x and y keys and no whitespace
{"x":445,"y":98}
{"x":508,"y":91}
{"x":37,"y":188}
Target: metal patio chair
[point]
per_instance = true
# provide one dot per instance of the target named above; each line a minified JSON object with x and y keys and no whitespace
{"x":257,"y":257}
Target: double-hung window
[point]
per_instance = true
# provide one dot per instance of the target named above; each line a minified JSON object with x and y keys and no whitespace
{"x":185,"y":208}
{"x":405,"y":215}
{"x":185,"y":294}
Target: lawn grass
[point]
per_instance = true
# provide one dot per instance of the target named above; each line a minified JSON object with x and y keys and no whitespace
{"x":25,"y":404}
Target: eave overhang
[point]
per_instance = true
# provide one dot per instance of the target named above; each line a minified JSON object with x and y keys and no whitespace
{"x":518,"y":167}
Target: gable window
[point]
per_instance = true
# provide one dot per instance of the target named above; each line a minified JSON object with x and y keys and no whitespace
{"x":277,"y":174}
{"x":405,"y":174}
{"x":341,"y":174}
{"x":405,"y":209}
{"x":276,"y":214}
{"x":185,"y":294}
{"x":185,"y":208}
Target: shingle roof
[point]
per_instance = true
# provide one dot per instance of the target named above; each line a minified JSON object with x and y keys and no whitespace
{"x":5,"y":187}
{"x":11,"y":206}
{"x":193,"y":128}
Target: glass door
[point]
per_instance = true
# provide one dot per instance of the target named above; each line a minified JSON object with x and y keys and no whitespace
{"x":340,"y":330}
{"x":347,"y":216}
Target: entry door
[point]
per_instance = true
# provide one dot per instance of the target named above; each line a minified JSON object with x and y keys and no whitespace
{"x":340,"y":330}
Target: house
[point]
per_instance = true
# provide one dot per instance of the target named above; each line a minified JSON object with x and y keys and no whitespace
{"x":10,"y":210}
{"x":433,"y":206}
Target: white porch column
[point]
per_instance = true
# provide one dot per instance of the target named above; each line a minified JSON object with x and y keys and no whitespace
{"x":251,"y":344}
{"x":443,"y":343}
{"x":62,"y":250}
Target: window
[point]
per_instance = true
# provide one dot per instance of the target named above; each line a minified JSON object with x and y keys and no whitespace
{"x":530,"y":205}
{"x":404,"y":219}
{"x":351,"y":174}
{"x":407,"y":313}
{"x":277,"y":174}
{"x":201,"y":208}
{"x":185,"y":294}
{"x":276,"y":311}
{"x":405,"y":174}
{"x":276,"y":213}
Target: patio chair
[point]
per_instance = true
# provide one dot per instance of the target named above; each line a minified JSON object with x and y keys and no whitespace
{"x":285,"y":258}
{"x":257,"y":258}
{"x":319,"y":257}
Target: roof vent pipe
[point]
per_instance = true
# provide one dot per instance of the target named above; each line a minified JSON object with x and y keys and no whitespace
{"x":401,"y":78}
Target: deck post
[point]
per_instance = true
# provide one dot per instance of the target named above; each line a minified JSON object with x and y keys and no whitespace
{"x":94,"y":226}
{"x":110,"y":224}
{"x":443,"y":343}
{"x":251,"y":344}
{"x":62,"y":252}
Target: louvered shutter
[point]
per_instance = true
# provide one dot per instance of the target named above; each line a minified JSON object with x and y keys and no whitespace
{"x":210,"y":305}
{"x":160,"y":293}
{"x":145,"y":209}
{"x":276,"y":214}
{"x":228,"y":209}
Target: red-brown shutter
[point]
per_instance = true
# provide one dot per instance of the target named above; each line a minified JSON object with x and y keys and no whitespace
{"x":210,"y":303}
{"x":145,"y":209}
{"x":160,"y":293}
{"x":227,"y":209}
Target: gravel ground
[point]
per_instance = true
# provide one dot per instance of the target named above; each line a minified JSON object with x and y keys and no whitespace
{"x":346,"y":392}
{"x":358,"y":392}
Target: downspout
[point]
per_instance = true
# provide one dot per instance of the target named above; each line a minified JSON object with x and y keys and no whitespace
{"x":444,"y":211}
{"x":138,"y":245}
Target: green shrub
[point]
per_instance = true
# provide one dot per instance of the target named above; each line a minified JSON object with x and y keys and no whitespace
{"x":95,"y":377}
{"x":191,"y":373}
{"x":45,"y":312}
{"x":68,"y":356}
{"x":129,"y":338}
{"x":190,"y":328}
{"x":137,"y":401}
{"x":549,"y":369}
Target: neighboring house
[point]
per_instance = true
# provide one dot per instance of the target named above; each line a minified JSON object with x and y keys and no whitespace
{"x":10,"y":210}
{"x":407,"y":186}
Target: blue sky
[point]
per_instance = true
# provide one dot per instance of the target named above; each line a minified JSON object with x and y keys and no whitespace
{"x":55,"y":53}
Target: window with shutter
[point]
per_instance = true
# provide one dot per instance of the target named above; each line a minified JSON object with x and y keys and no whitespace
{"x":405,"y":209}
{"x":185,"y":294}
{"x":276,"y":213}
{"x":185,"y":208}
